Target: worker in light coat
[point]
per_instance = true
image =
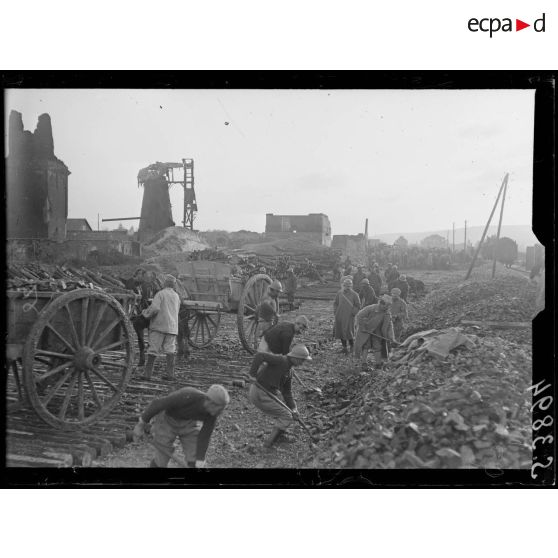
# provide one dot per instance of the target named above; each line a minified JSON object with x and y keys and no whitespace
{"x":163,"y":327}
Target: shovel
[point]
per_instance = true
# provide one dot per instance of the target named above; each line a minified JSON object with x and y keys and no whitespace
{"x":163,"y":450}
{"x":277,"y":400}
{"x":306,"y":386}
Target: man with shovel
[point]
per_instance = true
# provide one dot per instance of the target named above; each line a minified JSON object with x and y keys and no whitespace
{"x":273,"y":377}
{"x":188,"y":414}
{"x":278,"y":339}
{"x":375,"y":330}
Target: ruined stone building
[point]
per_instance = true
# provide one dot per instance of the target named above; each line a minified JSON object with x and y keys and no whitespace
{"x":315,"y":227}
{"x":36,"y":182}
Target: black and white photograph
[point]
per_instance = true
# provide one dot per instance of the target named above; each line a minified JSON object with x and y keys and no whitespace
{"x":275,"y":281}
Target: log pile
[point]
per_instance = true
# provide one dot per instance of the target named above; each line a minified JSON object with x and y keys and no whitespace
{"x":54,"y":278}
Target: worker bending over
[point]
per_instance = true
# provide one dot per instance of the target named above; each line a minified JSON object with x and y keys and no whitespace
{"x":375,"y":329}
{"x":399,"y":313}
{"x":278,"y":339}
{"x":189,"y":414}
{"x":273,"y":374}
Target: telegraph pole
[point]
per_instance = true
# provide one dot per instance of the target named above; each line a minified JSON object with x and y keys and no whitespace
{"x":465,"y":239}
{"x":499,"y":227}
{"x":504,"y":182}
{"x":453,"y":238}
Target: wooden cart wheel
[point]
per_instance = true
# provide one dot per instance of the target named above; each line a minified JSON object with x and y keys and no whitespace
{"x":202,"y":327}
{"x":246,"y":320}
{"x":78,"y":358}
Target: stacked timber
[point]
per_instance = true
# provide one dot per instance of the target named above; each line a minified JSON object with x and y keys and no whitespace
{"x":54,"y":278}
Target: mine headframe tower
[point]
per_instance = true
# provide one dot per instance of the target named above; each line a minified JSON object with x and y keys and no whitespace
{"x":183,"y":174}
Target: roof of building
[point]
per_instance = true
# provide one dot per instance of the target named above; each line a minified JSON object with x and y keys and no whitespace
{"x":77,"y":225}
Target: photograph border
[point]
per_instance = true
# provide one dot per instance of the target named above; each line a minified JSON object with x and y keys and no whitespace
{"x":544,"y":334}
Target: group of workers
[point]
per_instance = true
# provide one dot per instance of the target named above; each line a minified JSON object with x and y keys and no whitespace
{"x":378,"y":318}
{"x":190,"y":414}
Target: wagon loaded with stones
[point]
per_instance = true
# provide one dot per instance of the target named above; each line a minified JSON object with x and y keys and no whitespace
{"x":70,"y":343}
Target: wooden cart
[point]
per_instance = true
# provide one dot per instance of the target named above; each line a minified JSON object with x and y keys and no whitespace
{"x":213,"y":290}
{"x":75,"y":349}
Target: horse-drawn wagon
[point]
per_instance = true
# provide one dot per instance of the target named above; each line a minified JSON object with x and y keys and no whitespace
{"x":74,"y":350}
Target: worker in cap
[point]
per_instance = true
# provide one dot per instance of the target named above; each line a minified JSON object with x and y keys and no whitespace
{"x":279,"y":338}
{"x":291,"y":285}
{"x":345,"y":308}
{"x":375,"y":330}
{"x":273,"y":374}
{"x":399,"y":313}
{"x":190,"y":415}
{"x":163,"y":327}
{"x":366,"y":293}
{"x":358,"y":277}
{"x":267,"y":311}
{"x":391,"y":277}
{"x":401,"y":284}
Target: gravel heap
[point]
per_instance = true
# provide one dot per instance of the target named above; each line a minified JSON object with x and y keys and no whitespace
{"x":503,"y":299}
{"x":470,"y":410}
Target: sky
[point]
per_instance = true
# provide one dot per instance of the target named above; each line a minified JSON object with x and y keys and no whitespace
{"x":408,"y":160}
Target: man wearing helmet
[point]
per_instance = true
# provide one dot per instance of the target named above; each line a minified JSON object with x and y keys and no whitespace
{"x":375,"y":328}
{"x":267,"y":312}
{"x":345,"y":307}
{"x":278,"y":339}
{"x":189,"y":414}
{"x":273,"y":374}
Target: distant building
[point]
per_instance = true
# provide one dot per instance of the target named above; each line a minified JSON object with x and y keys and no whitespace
{"x":315,"y":227}
{"x":534,"y":255}
{"x":78,"y":225}
{"x":434,"y":241}
{"x":352,"y":246}
{"x":402,"y":242}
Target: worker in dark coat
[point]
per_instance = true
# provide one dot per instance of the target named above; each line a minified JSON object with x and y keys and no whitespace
{"x":278,"y":339}
{"x":345,"y":307}
{"x":290,"y":285}
{"x":376,"y":279}
{"x":273,"y":374}
{"x":188,"y":414}
{"x":367,"y":294}
{"x":401,"y":284}
{"x":358,"y":277}
{"x":391,"y":277}
{"x":375,"y":330}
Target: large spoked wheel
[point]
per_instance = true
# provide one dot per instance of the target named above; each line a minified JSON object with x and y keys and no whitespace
{"x":246,"y":319}
{"x":78,"y":358}
{"x":202,"y":327}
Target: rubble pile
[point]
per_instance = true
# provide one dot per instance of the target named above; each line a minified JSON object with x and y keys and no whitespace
{"x":174,"y":240}
{"x":468,"y":410}
{"x":505,"y":299}
{"x":42,"y":277}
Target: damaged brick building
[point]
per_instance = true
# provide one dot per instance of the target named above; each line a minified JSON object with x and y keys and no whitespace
{"x":37,"y":202}
{"x":315,"y":227}
{"x":37,"y":182}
